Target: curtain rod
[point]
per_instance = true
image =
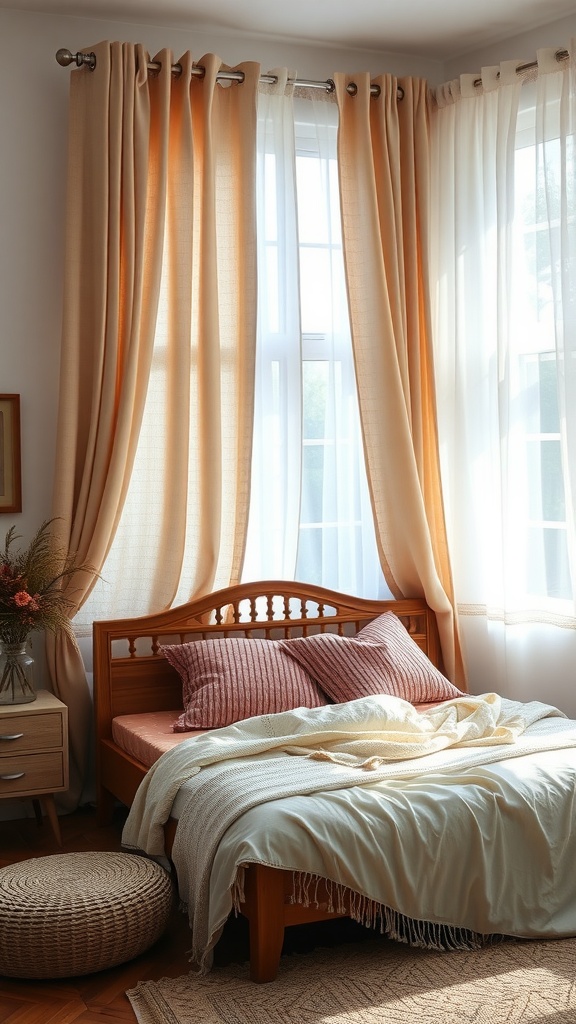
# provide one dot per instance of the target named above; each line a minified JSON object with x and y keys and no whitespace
{"x":65,"y":57}
{"x":559,"y":55}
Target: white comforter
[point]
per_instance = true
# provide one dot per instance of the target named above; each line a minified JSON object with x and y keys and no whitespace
{"x":463,"y":815}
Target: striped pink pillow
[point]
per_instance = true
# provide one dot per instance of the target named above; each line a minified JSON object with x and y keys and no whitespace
{"x":381,"y":658}
{"x":227,"y":680}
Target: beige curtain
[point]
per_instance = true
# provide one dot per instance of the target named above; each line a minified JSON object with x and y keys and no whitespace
{"x":383,"y":150}
{"x":151,"y":159}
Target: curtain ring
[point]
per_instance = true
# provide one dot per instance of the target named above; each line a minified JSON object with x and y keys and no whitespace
{"x":352,"y":88}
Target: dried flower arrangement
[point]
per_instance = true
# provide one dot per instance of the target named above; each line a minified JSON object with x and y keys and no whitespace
{"x":31,"y":596}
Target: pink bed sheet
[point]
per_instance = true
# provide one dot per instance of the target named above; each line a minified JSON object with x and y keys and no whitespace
{"x":146,"y":736}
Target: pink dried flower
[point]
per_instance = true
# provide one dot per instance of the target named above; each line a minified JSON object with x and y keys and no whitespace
{"x":34,"y":591}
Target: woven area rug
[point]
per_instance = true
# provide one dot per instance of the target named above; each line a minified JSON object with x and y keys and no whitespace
{"x":378,"y":982}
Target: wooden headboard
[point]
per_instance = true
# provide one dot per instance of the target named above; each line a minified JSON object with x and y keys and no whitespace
{"x":131,"y":676}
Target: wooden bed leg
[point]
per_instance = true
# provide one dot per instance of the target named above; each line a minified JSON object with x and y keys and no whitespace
{"x":105,"y":804}
{"x":265,"y":912}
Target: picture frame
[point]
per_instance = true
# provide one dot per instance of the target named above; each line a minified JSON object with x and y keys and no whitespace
{"x":10,"y":456}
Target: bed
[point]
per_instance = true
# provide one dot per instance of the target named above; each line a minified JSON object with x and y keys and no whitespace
{"x":178,"y":789}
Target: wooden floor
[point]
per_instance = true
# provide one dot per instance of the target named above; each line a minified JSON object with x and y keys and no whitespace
{"x":98,"y":997}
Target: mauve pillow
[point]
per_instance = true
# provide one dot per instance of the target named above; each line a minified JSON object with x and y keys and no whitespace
{"x":227,"y":680}
{"x":381,"y":658}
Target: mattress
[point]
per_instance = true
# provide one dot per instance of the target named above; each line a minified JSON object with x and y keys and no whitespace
{"x":148,"y":735}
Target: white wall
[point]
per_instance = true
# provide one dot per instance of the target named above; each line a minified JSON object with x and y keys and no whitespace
{"x":523,"y":47}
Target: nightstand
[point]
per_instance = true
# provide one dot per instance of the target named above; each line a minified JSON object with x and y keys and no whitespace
{"x":34,"y":752}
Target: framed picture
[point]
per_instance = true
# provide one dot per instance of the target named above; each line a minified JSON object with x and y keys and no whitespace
{"x":10,"y":468}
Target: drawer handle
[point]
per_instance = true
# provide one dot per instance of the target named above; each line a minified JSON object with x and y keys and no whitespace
{"x":14,"y":736}
{"x":7,"y":778}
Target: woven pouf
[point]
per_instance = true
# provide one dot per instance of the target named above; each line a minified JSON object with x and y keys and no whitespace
{"x":78,"y":913}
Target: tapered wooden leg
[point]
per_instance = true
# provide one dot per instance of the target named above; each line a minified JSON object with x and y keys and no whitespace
{"x":50,"y":808}
{"x":264,"y":909}
{"x":105,"y":804}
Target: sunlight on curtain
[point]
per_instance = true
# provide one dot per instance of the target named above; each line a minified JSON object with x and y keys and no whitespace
{"x":504,"y":257}
{"x":384,"y":172}
{"x":310,"y":516}
{"x":180,"y":529}
{"x":111,"y":284}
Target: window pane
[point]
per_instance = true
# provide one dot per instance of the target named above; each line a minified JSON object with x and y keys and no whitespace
{"x":316,"y":299}
{"x":549,"y":416}
{"x":315,"y":397}
{"x":314,"y":223}
{"x":548,"y":563}
{"x":312,"y":483}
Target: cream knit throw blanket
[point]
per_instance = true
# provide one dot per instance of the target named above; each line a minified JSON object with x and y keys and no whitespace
{"x":344,"y":745}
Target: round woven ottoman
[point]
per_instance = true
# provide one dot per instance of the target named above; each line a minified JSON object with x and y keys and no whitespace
{"x":78,"y":913}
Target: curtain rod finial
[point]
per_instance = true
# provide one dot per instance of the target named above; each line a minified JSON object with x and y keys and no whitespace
{"x":65,"y":57}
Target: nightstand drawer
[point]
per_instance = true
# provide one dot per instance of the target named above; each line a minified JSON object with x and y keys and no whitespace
{"x":30,"y":732}
{"x":31,"y":774}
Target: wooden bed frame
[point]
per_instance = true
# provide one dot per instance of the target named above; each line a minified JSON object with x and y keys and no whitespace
{"x":132,"y":677}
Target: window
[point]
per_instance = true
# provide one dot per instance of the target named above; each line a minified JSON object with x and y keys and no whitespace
{"x":310,"y":513}
{"x":311,"y":517}
{"x":535,"y":412}
{"x":335,"y":513}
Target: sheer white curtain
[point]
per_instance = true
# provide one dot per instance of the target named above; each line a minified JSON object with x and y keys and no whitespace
{"x":272,"y":542}
{"x":310,"y":514}
{"x":503,"y":259}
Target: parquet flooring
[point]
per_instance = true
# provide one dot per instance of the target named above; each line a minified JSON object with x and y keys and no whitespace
{"x":100,"y":998}
{"x":97,"y":998}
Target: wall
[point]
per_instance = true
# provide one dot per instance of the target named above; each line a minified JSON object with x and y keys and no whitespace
{"x":523,"y":47}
